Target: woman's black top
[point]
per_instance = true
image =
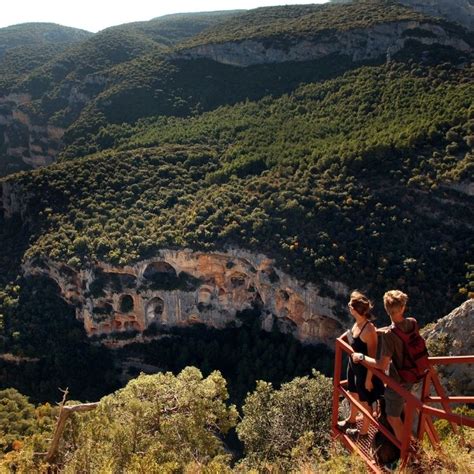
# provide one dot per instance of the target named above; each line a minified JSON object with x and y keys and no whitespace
{"x":357,"y":373}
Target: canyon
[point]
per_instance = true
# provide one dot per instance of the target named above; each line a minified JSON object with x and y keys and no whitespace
{"x":29,"y":140}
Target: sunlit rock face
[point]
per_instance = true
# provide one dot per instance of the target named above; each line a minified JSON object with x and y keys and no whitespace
{"x":359,"y":44}
{"x":181,"y":288}
{"x":460,"y":11}
{"x":453,"y":335}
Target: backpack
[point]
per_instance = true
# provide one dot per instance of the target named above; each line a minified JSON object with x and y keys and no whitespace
{"x":415,"y":355}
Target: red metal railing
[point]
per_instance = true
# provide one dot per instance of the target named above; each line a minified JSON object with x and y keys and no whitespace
{"x":413,"y":406}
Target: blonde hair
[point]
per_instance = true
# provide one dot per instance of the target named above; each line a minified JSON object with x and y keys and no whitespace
{"x":394,"y":300}
{"x":361,"y":304}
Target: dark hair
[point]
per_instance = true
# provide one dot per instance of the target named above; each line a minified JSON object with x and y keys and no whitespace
{"x":362,"y":304}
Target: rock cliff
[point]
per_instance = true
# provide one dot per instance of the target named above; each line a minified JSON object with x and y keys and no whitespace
{"x":180,"y":288}
{"x":358,"y":44}
{"x":460,"y":11}
{"x":450,"y":336}
{"x":22,"y":139}
{"x":32,"y":138}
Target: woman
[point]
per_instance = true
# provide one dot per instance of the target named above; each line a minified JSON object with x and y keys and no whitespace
{"x":361,"y":383}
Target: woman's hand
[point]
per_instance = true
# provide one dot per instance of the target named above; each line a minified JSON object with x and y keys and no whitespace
{"x":369,"y":385}
{"x":356,"y":357}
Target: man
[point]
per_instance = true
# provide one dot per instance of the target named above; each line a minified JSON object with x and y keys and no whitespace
{"x":392,"y":350}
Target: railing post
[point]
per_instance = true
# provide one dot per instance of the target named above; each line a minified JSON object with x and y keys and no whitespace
{"x":425,"y":423}
{"x":336,"y":382}
{"x":425,"y":392}
{"x":442,"y":394}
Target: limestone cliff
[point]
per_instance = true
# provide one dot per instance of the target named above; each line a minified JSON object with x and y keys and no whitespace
{"x":34,"y":139}
{"x":358,"y":44}
{"x":450,"y":336}
{"x":460,"y":11}
{"x":22,"y":138}
{"x":180,"y":288}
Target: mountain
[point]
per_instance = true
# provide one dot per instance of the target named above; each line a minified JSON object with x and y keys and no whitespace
{"x":38,"y":34}
{"x":203,"y":188}
{"x":172,"y":29}
{"x":50,"y":86}
{"x":123,"y":74}
{"x":27,"y":46}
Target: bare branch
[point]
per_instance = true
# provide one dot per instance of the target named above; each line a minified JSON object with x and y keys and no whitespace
{"x":64,"y":413}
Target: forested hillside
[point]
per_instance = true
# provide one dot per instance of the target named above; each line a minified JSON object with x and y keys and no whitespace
{"x":322,"y":171}
{"x":287,"y":23}
{"x":25,"y":47}
{"x":346,"y":170}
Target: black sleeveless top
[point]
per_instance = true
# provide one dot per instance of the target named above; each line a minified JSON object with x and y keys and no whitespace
{"x":357,"y":344}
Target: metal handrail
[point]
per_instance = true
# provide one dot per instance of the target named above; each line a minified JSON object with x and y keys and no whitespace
{"x":413,"y":404}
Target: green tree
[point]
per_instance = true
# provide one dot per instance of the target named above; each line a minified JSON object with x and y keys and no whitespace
{"x":275,"y":420}
{"x":20,"y":419}
{"x":17,"y":417}
{"x":157,"y":423}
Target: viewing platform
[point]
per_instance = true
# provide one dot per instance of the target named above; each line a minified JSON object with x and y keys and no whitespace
{"x":418,"y":412}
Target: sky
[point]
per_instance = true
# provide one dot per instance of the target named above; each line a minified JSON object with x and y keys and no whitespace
{"x":95,"y":15}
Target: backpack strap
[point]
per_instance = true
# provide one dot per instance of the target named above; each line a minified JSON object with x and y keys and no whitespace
{"x":405,"y":336}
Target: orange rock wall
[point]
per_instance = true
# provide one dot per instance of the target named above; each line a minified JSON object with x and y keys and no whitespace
{"x":211,"y":289}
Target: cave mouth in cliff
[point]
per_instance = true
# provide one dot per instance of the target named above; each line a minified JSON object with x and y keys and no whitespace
{"x":158,"y":267}
{"x":162,"y":276}
{"x":111,"y":281}
{"x":103,"y":309}
{"x":238,"y":279}
{"x":126,"y":304}
{"x":117,"y":282}
{"x":154,"y":308}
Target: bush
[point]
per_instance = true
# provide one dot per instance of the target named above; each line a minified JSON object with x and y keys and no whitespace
{"x":157,"y":423}
{"x":276,"y":420}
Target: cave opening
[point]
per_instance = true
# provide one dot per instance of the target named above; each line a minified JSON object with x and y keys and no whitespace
{"x":126,"y":304}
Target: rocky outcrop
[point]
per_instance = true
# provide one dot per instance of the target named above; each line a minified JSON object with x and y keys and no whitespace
{"x":464,"y":187}
{"x":450,"y":336}
{"x":460,"y":11}
{"x":180,"y":288}
{"x":23,"y":140}
{"x":27,"y":138}
{"x":359,"y":44}
{"x":12,"y":200}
